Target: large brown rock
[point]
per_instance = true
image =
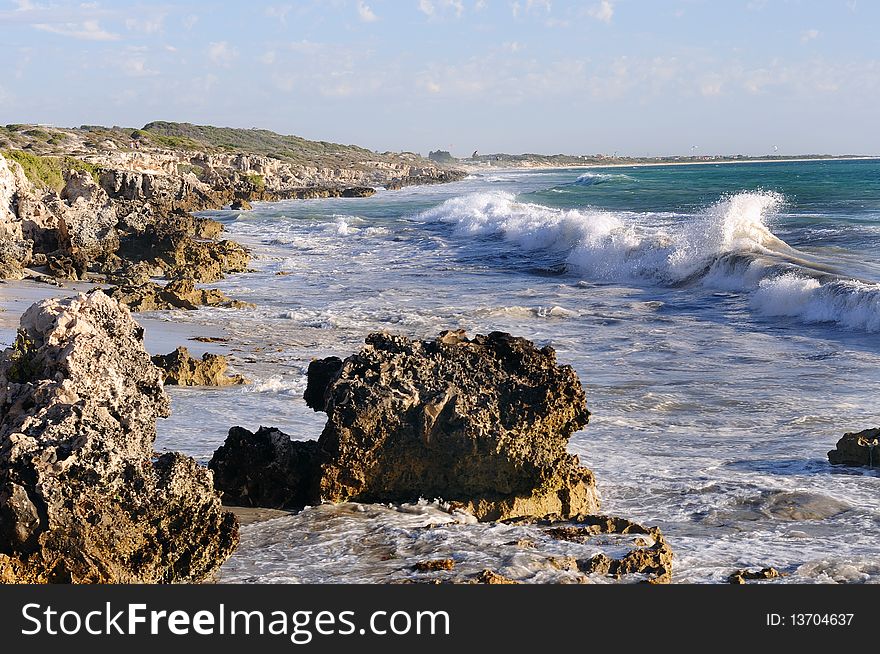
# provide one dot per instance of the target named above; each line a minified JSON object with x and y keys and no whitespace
{"x":179,"y":368}
{"x":858,"y":449}
{"x":83,"y":497}
{"x":176,"y":294}
{"x":483,"y":423}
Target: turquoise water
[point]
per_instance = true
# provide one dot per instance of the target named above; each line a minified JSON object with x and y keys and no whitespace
{"x":725,"y":320}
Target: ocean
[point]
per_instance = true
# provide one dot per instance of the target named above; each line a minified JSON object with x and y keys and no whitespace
{"x":724,"y":320}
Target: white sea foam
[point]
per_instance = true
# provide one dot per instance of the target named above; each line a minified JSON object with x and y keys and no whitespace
{"x":850,"y":303}
{"x":727,"y":246}
{"x":621,"y":245}
{"x":277,"y":384}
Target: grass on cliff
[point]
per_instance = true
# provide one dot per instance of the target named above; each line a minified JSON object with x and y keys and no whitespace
{"x":50,"y":172}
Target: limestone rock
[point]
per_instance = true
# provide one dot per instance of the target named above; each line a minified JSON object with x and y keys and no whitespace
{"x":82,"y":496}
{"x":15,"y":255}
{"x":240,"y":204}
{"x":481,"y":423}
{"x":858,"y":449}
{"x":653,"y":558}
{"x":181,"y":369}
{"x":177,"y":294}
{"x":265,"y":469}
{"x":742,"y":576}
{"x":433,"y":565}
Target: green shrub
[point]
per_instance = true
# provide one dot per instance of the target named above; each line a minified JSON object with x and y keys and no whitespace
{"x":43,"y":172}
{"x":258,"y":182}
{"x":25,"y":365}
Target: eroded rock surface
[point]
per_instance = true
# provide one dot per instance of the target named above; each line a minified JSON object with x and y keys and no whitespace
{"x":858,"y":449}
{"x":177,"y":294}
{"x":179,"y":368}
{"x":481,"y":422}
{"x":82,"y":496}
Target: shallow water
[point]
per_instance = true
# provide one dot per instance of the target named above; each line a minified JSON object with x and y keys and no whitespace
{"x":725,"y":321}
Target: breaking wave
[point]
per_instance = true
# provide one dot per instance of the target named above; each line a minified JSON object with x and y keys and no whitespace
{"x":728,"y":245}
{"x":590,"y":179}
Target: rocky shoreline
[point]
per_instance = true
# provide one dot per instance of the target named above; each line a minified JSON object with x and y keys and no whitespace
{"x":114,"y":206}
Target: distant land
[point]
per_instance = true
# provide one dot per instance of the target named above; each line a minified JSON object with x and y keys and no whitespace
{"x":532,"y":160}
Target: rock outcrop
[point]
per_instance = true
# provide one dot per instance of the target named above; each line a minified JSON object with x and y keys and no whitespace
{"x":179,"y":368}
{"x":482,"y":423}
{"x":857,"y":449}
{"x":651,"y":556}
{"x":83,"y":497}
{"x":90,"y":205}
{"x":266,"y":469}
{"x":177,"y":294}
{"x":742,"y":576}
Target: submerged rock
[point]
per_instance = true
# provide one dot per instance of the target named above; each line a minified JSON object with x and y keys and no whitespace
{"x":82,"y":496}
{"x":240,"y":204}
{"x":482,"y":423}
{"x":742,"y":576}
{"x":651,"y":557}
{"x":433,"y":565}
{"x":858,"y":449}
{"x":179,"y":368}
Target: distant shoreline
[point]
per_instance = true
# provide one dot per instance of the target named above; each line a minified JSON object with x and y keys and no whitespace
{"x":471,"y":168}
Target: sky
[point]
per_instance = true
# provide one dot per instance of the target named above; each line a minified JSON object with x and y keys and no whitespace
{"x":637,"y":77}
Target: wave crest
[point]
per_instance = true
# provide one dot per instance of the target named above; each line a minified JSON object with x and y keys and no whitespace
{"x":728,"y":245}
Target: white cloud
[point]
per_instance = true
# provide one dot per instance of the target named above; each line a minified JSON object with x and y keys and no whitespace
{"x":221,"y":53}
{"x":365,"y":12}
{"x":136,"y":67}
{"x":268,"y":58}
{"x":88,"y":30}
{"x":190,"y":21}
{"x":149,"y":25}
{"x":433,"y":8}
{"x":279,"y":11}
{"x":604,"y":11}
{"x":809,"y":35}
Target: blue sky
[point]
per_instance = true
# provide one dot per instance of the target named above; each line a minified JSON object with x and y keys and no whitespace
{"x":633,"y":76}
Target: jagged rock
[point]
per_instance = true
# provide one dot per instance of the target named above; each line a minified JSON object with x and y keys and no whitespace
{"x":482,"y":423}
{"x":653,"y":559}
{"x":742,"y":576}
{"x":82,"y":498}
{"x":857,"y":449}
{"x":433,"y":565}
{"x":72,"y":266}
{"x":491,"y":577}
{"x":134,"y":274}
{"x":15,"y":255}
{"x":180,"y":246}
{"x":320,"y":375}
{"x":206,"y":261}
{"x":177,"y":294}
{"x":265,"y":469}
{"x":89,"y":217}
{"x":181,"y":369}
{"x":240,"y":204}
